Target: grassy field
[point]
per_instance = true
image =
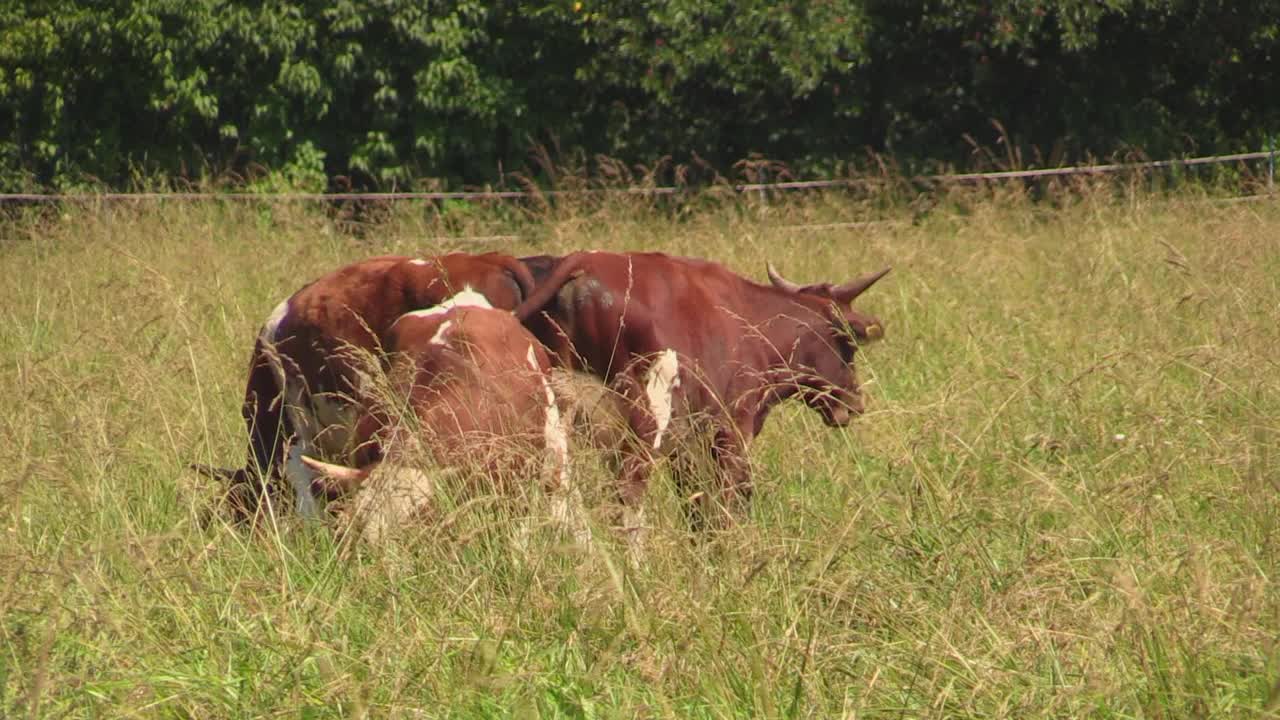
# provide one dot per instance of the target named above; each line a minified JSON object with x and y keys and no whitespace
{"x":1064,"y":499}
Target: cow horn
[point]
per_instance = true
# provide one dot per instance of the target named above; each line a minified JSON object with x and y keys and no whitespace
{"x":341,"y":473}
{"x":847,"y":292}
{"x":780,"y":282}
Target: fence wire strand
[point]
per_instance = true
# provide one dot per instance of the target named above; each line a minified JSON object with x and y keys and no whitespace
{"x":663,"y":190}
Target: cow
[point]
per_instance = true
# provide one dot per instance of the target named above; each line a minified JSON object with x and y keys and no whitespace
{"x":477,"y":387}
{"x":304,"y":372}
{"x":687,"y":340}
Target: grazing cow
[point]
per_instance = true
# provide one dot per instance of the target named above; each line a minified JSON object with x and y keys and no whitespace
{"x":687,"y":339}
{"x":304,"y":373}
{"x":477,"y":385}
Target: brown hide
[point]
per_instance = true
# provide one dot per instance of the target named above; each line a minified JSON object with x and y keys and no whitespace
{"x":477,"y":383}
{"x":743,"y":347}
{"x":350,"y":308}
{"x":467,"y":374}
{"x":354,"y":306}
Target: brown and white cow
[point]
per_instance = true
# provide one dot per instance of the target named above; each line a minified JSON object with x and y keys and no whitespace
{"x":305,"y":370}
{"x":682,"y":338}
{"x":476,"y":384}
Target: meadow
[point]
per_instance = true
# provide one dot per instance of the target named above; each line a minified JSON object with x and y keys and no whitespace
{"x":1063,"y":501}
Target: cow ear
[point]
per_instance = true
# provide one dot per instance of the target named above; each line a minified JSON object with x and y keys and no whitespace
{"x":871,"y":331}
{"x":863,"y":328}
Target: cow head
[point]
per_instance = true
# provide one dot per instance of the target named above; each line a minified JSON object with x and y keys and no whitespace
{"x":828,"y":381}
{"x":377,"y":500}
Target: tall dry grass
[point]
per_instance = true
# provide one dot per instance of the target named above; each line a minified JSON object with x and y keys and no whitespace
{"x":1064,"y":500}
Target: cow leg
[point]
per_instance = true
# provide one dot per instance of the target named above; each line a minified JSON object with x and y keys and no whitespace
{"x":268,"y":430}
{"x":712,"y":473}
{"x":324,"y":425}
{"x":635,"y":464}
{"x":297,"y":473}
{"x":733,"y":474}
{"x":633,"y":482}
{"x":690,"y":469}
{"x":301,"y":477}
{"x":566,"y":501}
{"x":650,"y":403}
{"x":300,"y":415}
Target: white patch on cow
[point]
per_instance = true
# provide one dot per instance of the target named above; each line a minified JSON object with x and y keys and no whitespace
{"x":303,"y":422}
{"x":555,"y":435}
{"x":663,"y":379}
{"x":554,"y":430}
{"x":300,"y":477}
{"x":389,"y":500}
{"x":272,"y":324}
{"x":418,"y":261}
{"x":439,"y":337}
{"x":321,"y":426}
{"x":566,"y":502}
{"x":466,"y":298}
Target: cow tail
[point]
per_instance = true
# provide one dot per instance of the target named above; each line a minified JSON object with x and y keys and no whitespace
{"x":568,"y":268}
{"x":520,"y":273}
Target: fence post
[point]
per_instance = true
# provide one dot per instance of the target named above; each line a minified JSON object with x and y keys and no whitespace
{"x":1271,"y":166}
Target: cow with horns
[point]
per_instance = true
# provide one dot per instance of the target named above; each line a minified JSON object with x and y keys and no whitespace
{"x":682,"y":339}
{"x":305,"y":371}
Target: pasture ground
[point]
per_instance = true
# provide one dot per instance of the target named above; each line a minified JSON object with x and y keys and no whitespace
{"x":1064,"y":499}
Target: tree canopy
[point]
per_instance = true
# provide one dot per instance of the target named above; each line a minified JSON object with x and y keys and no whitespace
{"x":393,"y":92}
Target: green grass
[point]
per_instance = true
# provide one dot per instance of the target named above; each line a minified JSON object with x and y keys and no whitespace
{"x":1064,"y":499}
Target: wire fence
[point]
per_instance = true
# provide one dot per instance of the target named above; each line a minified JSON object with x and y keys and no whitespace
{"x":740,"y":188}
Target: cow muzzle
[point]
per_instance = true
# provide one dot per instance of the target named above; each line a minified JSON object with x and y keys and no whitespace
{"x":838,"y":417}
{"x":839,"y":413}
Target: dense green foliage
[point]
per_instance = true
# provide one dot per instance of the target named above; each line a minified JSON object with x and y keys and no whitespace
{"x":394,"y":91}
